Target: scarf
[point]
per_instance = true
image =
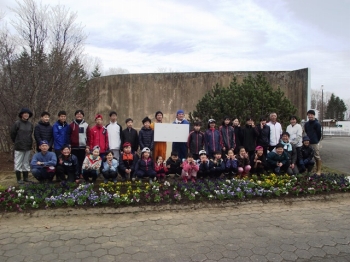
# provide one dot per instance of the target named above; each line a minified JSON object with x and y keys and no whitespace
{"x":287,"y":146}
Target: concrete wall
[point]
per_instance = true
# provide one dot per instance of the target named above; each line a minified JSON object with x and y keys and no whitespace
{"x":140,"y":95}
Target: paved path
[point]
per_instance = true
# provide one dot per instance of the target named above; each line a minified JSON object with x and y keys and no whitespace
{"x":335,"y":153}
{"x":300,"y":231}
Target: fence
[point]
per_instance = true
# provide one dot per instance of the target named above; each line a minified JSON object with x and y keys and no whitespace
{"x":336,"y":131}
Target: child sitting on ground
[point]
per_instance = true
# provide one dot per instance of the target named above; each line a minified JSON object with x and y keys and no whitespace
{"x":278,"y":160}
{"x":110,"y":167}
{"x":307,"y":153}
{"x":218,"y":165}
{"x":243,"y":162}
{"x":91,"y":165}
{"x":127,"y":162}
{"x":205,"y":165}
{"x":174,"y":164}
{"x":231,"y":165}
{"x":160,"y":168}
{"x":145,"y":167}
{"x":260,"y":165}
{"x":189,"y":169}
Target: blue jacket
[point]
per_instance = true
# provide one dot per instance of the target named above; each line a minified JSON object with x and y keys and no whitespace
{"x":313,"y":131}
{"x":49,"y":159}
{"x":106,"y":167}
{"x":60,"y":134}
{"x":212,"y":140}
{"x":144,"y":165}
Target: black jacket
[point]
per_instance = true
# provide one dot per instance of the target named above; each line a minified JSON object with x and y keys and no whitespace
{"x":238,"y":137}
{"x":127,"y":164}
{"x":43,"y":131}
{"x":195,"y":141}
{"x":21,"y":135}
{"x":307,"y":152}
{"x":263,"y":138}
{"x":131,"y":136}
{"x":249,"y":137}
{"x":313,"y":131}
{"x":146,"y":138}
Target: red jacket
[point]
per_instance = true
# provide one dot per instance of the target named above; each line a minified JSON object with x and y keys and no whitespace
{"x":99,"y":137}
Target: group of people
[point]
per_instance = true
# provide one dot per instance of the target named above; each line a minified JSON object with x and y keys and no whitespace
{"x":77,"y":150}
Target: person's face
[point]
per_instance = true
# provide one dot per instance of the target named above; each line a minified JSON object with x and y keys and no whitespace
{"x":44,"y":147}
{"x":293,"y":121}
{"x":180,"y":116}
{"x":96,"y":152}
{"x":127,"y":149}
{"x":160,"y":159}
{"x":217,"y":156}
{"x":230,"y":153}
{"x":249,"y":122}
{"x":285,"y":138}
{"x":235,"y":122}
{"x":197,"y":128}
{"x":260,"y":152}
{"x":273,"y":117}
{"x":113,"y":118}
{"x":159,"y":117}
{"x":263,"y":122}
{"x":227,"y":121}
{"x":45,"y":119}
{"x":174,"y":158}
{"x":99,"y":121}
{"x":79,"y":116}
{"x":129,"y":124}
{"x":311,"y":117}
{"x":62,"y":118}
{"x":66,"y":151}
{"x":145,"y":155}
{"x":242,"y":151}
{"x":279,"y":150}
{"x":212,"y":125}
{"x":306,"y":143}
{"x":25,"y":116}
{"x":203,"y":158}
{"x":147,"y":124}
{"x":109,"y":156}
{"x":189,"y":159}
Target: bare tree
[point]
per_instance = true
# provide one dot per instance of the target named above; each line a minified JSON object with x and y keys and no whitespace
{"x":115,"y":71}
{"x":166,"y":70}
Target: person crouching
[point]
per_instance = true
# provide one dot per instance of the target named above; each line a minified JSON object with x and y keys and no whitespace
{"x":110,"y":167}
{"x":145,"y":167}
{"x":91,"y":165}
{"x":189,"y":169}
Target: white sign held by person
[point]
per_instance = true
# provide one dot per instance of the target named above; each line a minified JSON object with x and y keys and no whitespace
{"x":171,"y":132}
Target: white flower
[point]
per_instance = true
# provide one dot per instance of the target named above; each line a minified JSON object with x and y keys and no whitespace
{"x":196,"y":193}
{"x":19,"y":194}
{"x":31,"y":197}
{"x":26,"y":197}
{"x":34,"y":203}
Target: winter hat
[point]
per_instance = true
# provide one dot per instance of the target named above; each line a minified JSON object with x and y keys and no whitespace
{"x":180,"y":111}
{"x":202,"y":152}
{"x":96,"y":147}
{"x":211,"y":121}
{"x":25,"y":110}
{"x":259,"y":148}
{"x":158,"y":112}
{"x":126,"y":144}
{"x":98,"y":116}
{"x":145,"y":149}
{"x":146,"y":119}
{"x":312,"y":112}
{"x":42,"y":142}
{"x":306,"y":138}
{"x":79,"y":111}
{"x":112,"y":113}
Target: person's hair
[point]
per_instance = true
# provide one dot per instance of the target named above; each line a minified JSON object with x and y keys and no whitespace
{"x":146,"y":119}
{"x":279,"y":145}
{"x":157,"y":113}
{"x":128,"y":119}
{"x":109,"y":152}
{"x":262,"y":118}
{"x":273,"y":113}
{"x":45,"y":113}
{"x":286,"y":133}
{"x":226,"y":118}
{"x":240,"y":148}
{"x":66,"y":146}
{"x":231,"y":151}
{"x":158,"y":157}
{"x":190,"y":155}
{"x":197,"y":123}
{"x":79,"y":111}
{"x":62,"y":112}
{"x":293,"y":117}
{"x":113,"y":113}
{"x":174,"y":153}
{"x":217,"y":153}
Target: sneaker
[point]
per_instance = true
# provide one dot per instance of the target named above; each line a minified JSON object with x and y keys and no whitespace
{"x":150,"y":181}
{"x":20,"y":182}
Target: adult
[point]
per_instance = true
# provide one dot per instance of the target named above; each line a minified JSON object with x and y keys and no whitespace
{"x":79,"y":137}
{"x":99,"y":136}
{"x":43,"y":131}
{"x":313,"y":131}
{"x":290,"y":149}
{"x":21,"y":136}
{"x":43,"y":163}
{"x":60,"y":131}
{"x":159,"y":147}
{"x":296,"y":133}
{"x":114,"y":134}
{"x":180,"y":147}
{"x":263,"y":132}
{"x":275,"y":131}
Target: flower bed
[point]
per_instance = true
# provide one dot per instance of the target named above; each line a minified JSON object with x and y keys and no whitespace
{"x":139,"y":193}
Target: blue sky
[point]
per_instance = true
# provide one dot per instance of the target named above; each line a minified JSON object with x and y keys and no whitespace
{"x":218,"y":35}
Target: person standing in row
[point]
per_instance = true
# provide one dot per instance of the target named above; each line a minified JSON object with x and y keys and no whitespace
{"x":43,"y":131}
{"x":238,"y":134}
{"x":227,"y":136}
{"x":159,"y":147}
{"x":275,"y":131}
{"x":263,"y":138}
{"x":99,"y":136}
{"x":146,"y":135}
{"x":60,"y":131}
{"x":296,"y":133}
{"x":180,"y":147}
{"x":130,"y":135}
{"x":114,"y":134}
{"x":21,"y":136}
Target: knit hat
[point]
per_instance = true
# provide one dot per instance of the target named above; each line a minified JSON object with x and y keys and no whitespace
{"x":145,"y":149}
{"x":202,"y":152}
{"x":42,"y":142}
{"x":98,"y":116}
{"x":211,"y":121}
{"x":126,"y":144}
{"x":180,"y":111}
{"x":146,"y":119}
{"x":96,"y":147}
{"x":112,"y":113}
{"x":79,"y":111}
{"x":306,"y":138}
{"x":312,"y":112}
{"x":158,"y":112}
{"x":25,"y":110}
{"x":259,"y":148}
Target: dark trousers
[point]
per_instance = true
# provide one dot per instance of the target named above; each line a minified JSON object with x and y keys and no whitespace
{"x":41,"y":174}
{"x":110,"y":174}
{"x":62,"y":171}
{"x":174,"y":170}
{"x":80,"y":154}
{"x":123,"y":174}
{"x":87,"y":173}
{"x":144,"y":173}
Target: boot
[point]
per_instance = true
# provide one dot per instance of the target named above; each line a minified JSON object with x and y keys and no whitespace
{"x":25,"y":176}
{"x":318,"y":166}
{"x":18,"y":176}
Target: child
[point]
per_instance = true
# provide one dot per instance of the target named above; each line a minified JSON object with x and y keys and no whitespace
{"x":243,"y":162}
{"x":160,"y":167}
{"x":43,"y":131}
{"x":127,"y":162}
{"x":189,"y":169}
{"x":260,"y":165}
{"x":218,"y":165}
{"x":99,"y":136}
{"x":174,"y":164}
{"x":231,"y":164}
{"x":195,"y":141}
{"x":114,"y":130}
{"x":263,"y":135}
{"x":110,"y":167}
{"x":130,"y":135}
{"x":249,"y":134}
{"x":278,"y":160}
{"x":67,"y":164}
{"x":227,"y":136}
{"x":292,"y":154}
{"x":237,"y":133}
{"x":145,"y":167}
{"x":307,"y":153}
{"x":60,"y":132}
{"x":91,"y":165}
{"x":212,"y":139}
{"x":205,"y":166}
{"x":146,"y":135}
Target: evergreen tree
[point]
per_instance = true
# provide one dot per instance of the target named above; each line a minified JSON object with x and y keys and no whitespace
{"x":96,"y":72}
